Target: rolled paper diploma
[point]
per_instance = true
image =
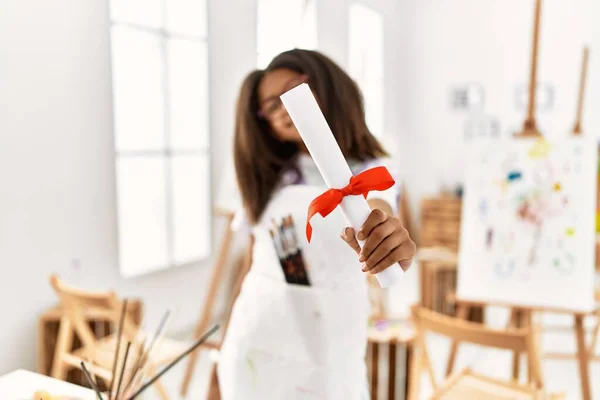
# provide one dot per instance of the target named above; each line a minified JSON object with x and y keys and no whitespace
{"x":304,"y":111}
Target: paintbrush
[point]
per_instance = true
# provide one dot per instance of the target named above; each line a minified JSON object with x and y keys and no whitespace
{"x":288,"y":250}
{"x":116,"y":358}
{"x":136,"y":364}
{"x":93,"y":384}
{"x":155,"y":345}
{"x":145,"y":355}
{"x":174,"y":362}
{"x":283,"y":259}
{"x":295,"y":251}
{"x":123,"y":368}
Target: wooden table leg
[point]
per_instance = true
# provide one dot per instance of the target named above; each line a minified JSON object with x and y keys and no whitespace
{"x":374,"y":370}
{"x":392,"y":372}
{"x":582,"y":355}
{"x":461,"y":313}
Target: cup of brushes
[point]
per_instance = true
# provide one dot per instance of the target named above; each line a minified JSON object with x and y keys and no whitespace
{"x":129,"y":386}
{"x":289,"y":251}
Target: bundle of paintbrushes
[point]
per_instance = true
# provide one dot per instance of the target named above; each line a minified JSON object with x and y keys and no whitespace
{"x":289,"y":252}
{"x":130,"y":374}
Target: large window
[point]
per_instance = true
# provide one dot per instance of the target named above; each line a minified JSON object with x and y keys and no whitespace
{"x":284,"y":25}
{"x":161,"y":132}
{"x":366,"y":60}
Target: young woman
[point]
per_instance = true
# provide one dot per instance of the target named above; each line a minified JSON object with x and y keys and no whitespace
{"x":290,"y":341}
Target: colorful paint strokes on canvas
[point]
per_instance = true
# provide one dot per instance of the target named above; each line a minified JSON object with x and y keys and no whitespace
{"x":528,"y":227}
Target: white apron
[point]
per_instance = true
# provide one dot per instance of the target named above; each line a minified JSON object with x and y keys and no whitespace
{"x":287,"y":341}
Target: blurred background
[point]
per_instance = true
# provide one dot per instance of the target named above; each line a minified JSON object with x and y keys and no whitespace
{"x":116,"y":125}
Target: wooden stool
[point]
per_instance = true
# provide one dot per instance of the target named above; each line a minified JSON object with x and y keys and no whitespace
{"x":390,"y":333}
{"x":49,"y":326}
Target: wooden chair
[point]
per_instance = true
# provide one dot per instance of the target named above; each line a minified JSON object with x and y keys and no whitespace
{"x":467,"y":385}
{"x":470,"y":385}
{"x":99,"y":354}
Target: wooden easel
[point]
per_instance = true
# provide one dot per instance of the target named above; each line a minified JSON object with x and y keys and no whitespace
{"x":521,"y":317}
{"x":216,"y":279}
{"x":530,"y":126}
{"x":580,"y":98}
{"x":576,"y":132}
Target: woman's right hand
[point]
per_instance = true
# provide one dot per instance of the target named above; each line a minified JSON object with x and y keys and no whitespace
{"x":386,"y":242}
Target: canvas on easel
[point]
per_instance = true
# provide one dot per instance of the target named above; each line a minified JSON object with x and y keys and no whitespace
{"x":527,"y":228}
{"x":527,"y":231}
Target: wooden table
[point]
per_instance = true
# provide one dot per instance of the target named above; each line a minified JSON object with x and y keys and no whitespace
{"x":390,"y":332}
{"x":48,"y":325}
{"x":22,"y":385}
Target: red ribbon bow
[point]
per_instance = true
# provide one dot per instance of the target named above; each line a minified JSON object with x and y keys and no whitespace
{"x":377,"y":178}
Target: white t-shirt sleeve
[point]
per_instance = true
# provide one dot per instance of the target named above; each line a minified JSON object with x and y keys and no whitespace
{"x":240,"y":221}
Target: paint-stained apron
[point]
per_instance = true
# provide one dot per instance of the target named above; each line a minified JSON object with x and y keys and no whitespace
{"x":288,"y":341}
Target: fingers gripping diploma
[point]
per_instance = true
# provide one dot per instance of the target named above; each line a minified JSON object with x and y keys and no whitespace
{"x":386,"y":243}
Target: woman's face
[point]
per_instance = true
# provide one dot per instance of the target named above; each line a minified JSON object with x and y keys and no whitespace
{"x":273,"y":85}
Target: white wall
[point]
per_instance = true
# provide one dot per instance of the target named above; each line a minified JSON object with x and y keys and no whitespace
{"x":489,"y":42}
{"x":57,"y":199}
{"x":333,"y":25}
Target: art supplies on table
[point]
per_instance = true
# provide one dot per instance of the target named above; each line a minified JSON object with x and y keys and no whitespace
{"x":287,"y":246}
{"x":131,"y":382}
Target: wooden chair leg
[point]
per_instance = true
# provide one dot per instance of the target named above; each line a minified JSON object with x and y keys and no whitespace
{"x":215,"y":282}
{"x":407,"y":365}
{"x":582,"y":355}
{"x":595,"y":333}
{"x":162,"y":392}
{"x":536,"y":377}
{"x":392,"y":372}
{"x":214,"y":392}
{"x":518,"y":318}
{"x":64,"y":343}
{"x":462,"y":312}
{"x":414,"y":372}
{"x":41,"y":351}
{"x":534,"y":371}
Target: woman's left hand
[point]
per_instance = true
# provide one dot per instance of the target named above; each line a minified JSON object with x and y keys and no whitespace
{"x":386,"y":243}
